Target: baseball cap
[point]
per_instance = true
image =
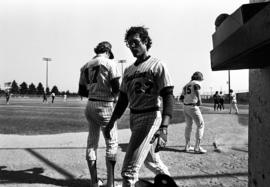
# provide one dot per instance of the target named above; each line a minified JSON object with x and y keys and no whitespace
{"x":103,"y":47}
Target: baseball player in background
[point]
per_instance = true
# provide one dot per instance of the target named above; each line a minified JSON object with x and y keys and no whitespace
{"x":7,"y":96}
{"x":53,"y":96}
{"x":144,"y":83}
{"x":99,"y":81}
{"x":216,"y":98}
{"x":192,"y":100}
{"x":233,"y":100}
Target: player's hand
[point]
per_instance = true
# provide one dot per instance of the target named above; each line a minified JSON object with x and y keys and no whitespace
{"x":107,"y":130}
{"x":161,"y":136}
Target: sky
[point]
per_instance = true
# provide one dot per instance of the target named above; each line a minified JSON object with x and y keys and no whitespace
{"x":68,"y":30}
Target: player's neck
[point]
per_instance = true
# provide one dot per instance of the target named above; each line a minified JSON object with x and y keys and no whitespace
{"x":142,"y":59}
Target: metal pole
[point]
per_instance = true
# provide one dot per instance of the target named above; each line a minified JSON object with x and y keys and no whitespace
{"x":122,"y":64}
{"x":47,"y":60}
{"x":122,"y":69}
{"x":229,"y":85}
{"x":46,"y":74}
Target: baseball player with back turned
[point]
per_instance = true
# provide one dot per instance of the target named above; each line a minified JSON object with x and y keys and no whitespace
{"x":144,"y":83}
{"x":99,"y":81}
{"x":192,"y":100}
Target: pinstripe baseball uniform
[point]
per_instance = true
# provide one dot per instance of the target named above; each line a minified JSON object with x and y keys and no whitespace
{"x":142,"y":84}
{"x":191,"y":111}
{"x":233,"y":102}
{"x":97,"y":74}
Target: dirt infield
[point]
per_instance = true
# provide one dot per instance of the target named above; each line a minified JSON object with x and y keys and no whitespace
{"x":59,"y":160}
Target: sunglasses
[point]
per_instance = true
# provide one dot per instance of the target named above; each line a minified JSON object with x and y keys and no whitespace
{"x":133,"y":43}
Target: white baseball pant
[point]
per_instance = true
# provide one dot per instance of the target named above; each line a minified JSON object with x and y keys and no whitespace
{"x":234,"y":106}
{"x":139,"y":151}
{"x":98,"y":114}
{"x":193,"y":113}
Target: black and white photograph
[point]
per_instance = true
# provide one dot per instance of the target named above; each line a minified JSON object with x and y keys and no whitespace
{"x":134,"y":93}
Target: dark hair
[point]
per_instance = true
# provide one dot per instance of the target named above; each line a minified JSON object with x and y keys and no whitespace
{"x":197,"y":76}
{"x":143,"y":33}
{"x":103,"y":47}
{"x":231,"y":90}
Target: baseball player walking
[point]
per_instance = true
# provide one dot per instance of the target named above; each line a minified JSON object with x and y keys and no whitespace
{"x":99,"y":81}
{"x":192,"y":100}
{"x":144,"y":83}
{"x":233,"y":100}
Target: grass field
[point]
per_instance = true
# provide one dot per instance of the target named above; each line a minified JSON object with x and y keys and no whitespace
{"x":29,"y":116}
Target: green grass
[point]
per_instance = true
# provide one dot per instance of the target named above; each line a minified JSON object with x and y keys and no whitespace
{"x":29,"y":116}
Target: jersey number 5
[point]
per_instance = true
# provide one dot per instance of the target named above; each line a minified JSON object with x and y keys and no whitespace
{"x":188,"y":89}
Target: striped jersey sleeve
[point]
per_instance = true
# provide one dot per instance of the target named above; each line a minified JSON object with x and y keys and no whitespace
{"x":163,"y":76}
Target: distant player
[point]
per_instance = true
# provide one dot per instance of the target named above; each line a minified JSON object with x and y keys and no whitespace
{"x":65,"y":97}
{"x":233,"y":101}
{"x":53,"y":96}
{"x":145,"y":82}
{"x":216,"y":98}
{"x":221,"y":100}
{"x":192,"y":100}
{"x":44,"y":97}
{"x":99,"y":81}
{"x":7,"y":97}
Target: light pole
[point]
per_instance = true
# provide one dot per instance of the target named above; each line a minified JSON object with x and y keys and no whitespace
{"x":47,"y":60}
{"x":122,"y":63}
{"x":229,"y":84}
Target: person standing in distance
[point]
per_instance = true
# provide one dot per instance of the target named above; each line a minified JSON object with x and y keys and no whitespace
{"x":99,"y":81}
{"x":216,"y":100}
{"x":192,"y":100}
{"x":53,"y":96}
{"x":144,"y":83}
{"x":233,"y":101}
{"x":7,"y":96}
{"x":44,"y":97}
{"x":221,"y":100}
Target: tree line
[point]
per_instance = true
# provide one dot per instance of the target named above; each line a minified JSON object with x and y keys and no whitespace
{"x":32,"y":89}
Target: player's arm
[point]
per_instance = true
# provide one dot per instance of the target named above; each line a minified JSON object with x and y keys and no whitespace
{"x":167,"y":97}
{"x":182,"y":96}
{"x":119,"y":109}
{"x":168,"y":100}
{"x":197,"y":93}
{"x":83,"y":91}
{"x":115,"y":83}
